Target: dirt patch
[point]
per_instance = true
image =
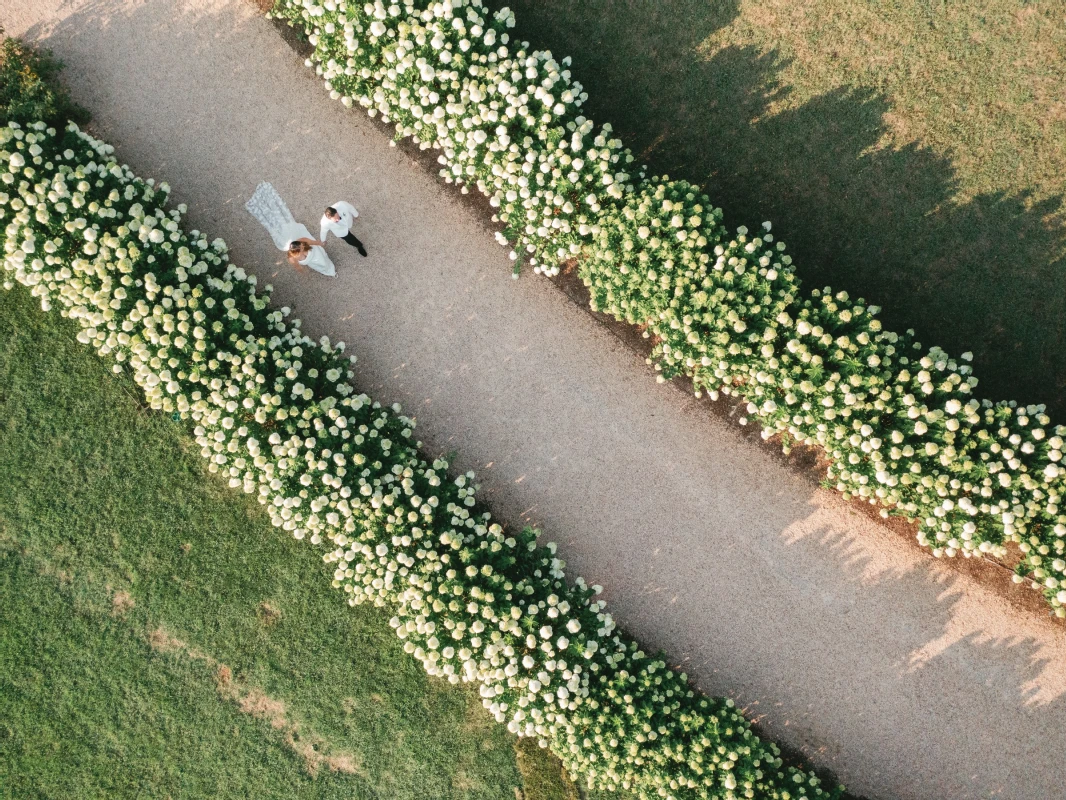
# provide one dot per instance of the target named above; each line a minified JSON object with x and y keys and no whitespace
{"x":262,"y":706}
{"x":268,"y":613}
{"x":64,"y":576}
{"x":312,"y":749}
{"x":462,"y":782}
{"x":161,"y":640}
{"x":223,"y":678}
{"x":121,"y":602}
{"x":344,"y":764}
{"x":315,"y":751}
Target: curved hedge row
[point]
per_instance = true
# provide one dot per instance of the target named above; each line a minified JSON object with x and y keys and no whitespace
{"x":900,"y":422}
{"x":274,"y":413}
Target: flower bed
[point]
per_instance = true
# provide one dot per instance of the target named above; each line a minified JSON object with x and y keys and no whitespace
{"x":900,"y":422}
{"x":274,"y":414}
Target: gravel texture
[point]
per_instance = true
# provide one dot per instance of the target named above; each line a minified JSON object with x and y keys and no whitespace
{"x":905,"y":677}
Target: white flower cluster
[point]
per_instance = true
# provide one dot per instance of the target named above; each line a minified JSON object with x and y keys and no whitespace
{"x":505,"y":119}
{"x":273,"y":412}
{"x":901,"y":425}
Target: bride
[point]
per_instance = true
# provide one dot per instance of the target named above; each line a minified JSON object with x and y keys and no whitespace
{"x":309,"y":253}
{"x":289,"y":235}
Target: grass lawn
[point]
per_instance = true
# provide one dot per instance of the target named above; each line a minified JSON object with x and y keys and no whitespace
{"x":158,"y":638}
{"x":912,"y":153}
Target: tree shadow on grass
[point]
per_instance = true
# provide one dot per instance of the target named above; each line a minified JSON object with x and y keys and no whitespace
{"x":987,"y":275}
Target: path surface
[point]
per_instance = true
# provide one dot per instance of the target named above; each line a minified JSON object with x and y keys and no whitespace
{"x":905,"y":678}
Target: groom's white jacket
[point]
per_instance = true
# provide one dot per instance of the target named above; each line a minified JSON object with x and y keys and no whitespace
{"x":341,"y":227}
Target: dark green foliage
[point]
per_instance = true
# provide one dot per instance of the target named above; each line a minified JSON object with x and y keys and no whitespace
{"x":30,"y":88}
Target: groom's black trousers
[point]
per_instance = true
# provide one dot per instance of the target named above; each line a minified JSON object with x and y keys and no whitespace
{"x":350,"y":239}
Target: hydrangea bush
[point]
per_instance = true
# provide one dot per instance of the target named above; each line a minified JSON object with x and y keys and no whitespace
{"x":900,"y":422}
{"x":274,"y":414}
{"x":506,"y":119}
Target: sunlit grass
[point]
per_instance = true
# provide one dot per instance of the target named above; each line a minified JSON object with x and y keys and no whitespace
{"x":158,"y":637}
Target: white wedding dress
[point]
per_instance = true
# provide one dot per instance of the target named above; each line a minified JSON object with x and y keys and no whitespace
{"x":267,"y":206}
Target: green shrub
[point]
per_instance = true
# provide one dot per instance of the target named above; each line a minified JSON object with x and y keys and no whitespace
{"x":30,"y":89}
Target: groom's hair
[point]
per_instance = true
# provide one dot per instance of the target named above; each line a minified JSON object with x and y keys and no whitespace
{"x":332,"y":211}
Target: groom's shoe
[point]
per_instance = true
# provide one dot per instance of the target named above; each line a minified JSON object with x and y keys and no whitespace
{"x":362,"y":251}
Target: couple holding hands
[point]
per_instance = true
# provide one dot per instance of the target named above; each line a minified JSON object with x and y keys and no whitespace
{"x":294,"y":239}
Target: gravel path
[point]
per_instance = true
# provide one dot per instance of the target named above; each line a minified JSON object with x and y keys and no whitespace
{"x":906,"y":678}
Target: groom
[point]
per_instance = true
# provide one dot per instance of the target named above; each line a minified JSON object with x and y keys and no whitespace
{"x":338,"y":220}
